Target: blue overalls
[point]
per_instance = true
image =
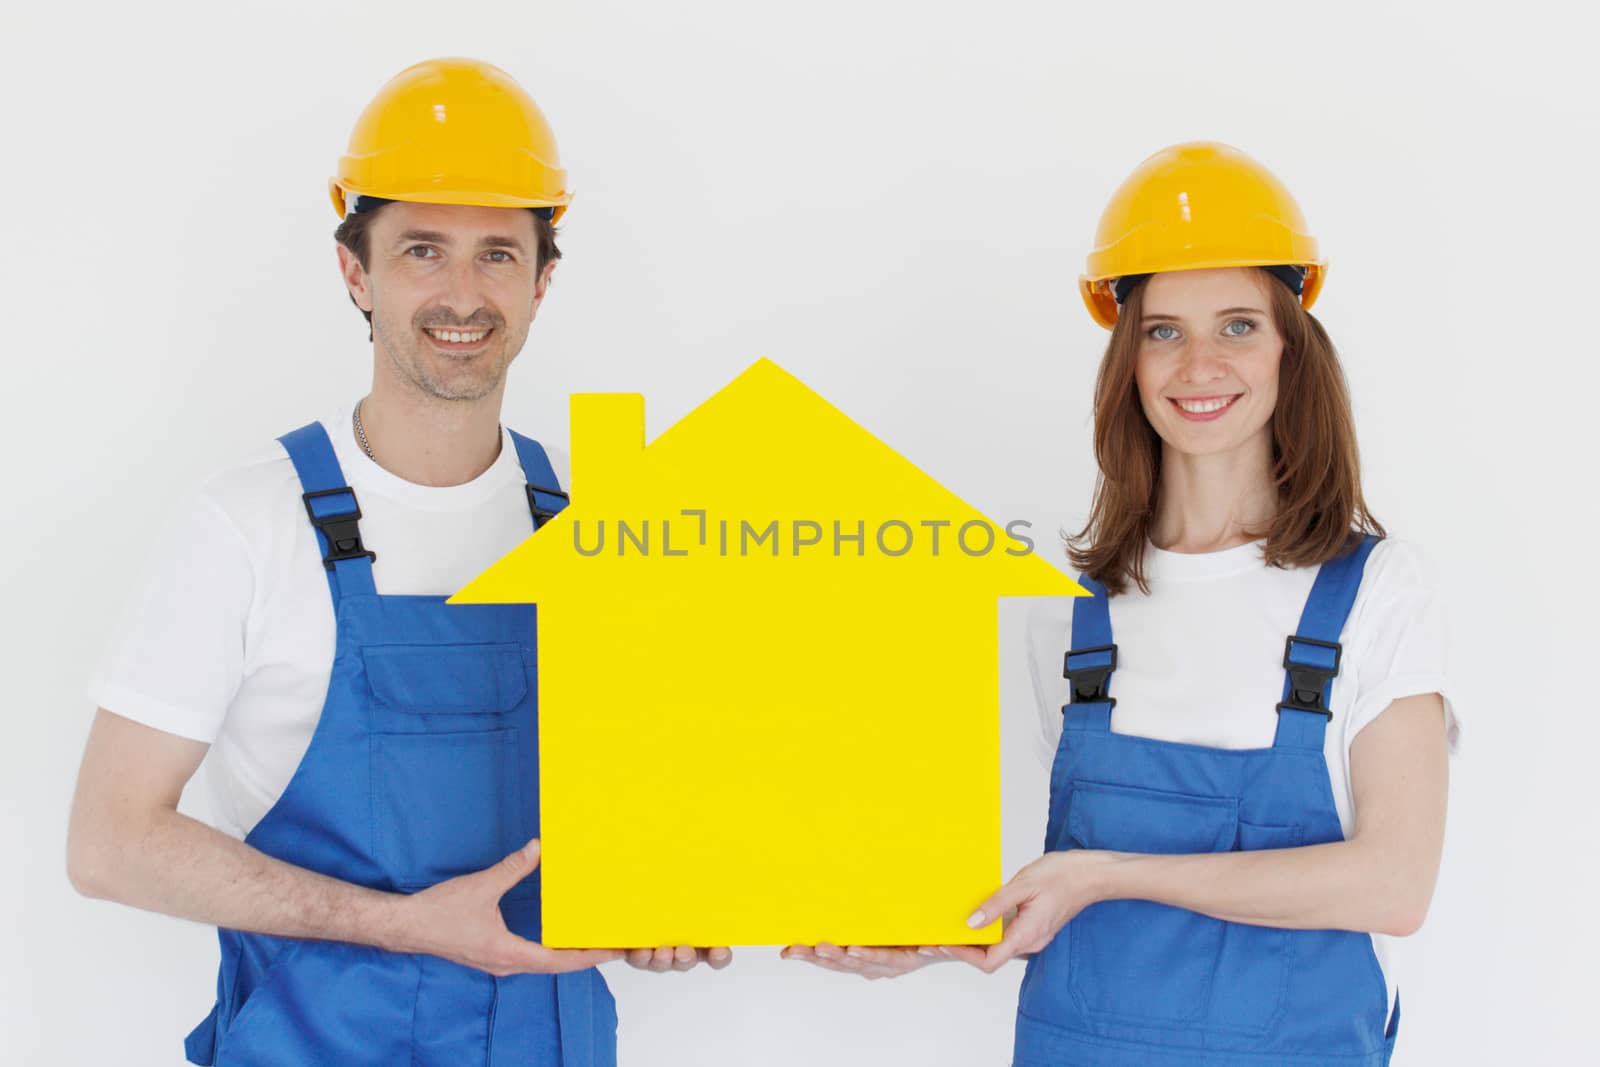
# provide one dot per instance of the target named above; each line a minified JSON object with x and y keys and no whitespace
{"x":423,"y":766}
{"x":1134,"y":982}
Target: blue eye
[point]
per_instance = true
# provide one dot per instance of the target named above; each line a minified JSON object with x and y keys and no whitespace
{"x":419,"y":248}
{"x":1231,"y":332}
{"x":1154,"y":332}
{"x":505,"y":257}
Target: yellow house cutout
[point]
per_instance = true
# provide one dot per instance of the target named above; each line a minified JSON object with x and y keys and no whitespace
{"x":768,"y":680}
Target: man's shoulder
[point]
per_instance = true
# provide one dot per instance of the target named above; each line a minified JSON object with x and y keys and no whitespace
{"x":265,"y":470}
{"x":256,"y":490}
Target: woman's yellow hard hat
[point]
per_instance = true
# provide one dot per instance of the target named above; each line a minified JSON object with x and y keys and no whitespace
{"x":1194,"y":205}
{"x":453,"y":131}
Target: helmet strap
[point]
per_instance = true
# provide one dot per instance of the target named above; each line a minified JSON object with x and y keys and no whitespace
{"x":1292,"y":275}
{"x":356,"y":205}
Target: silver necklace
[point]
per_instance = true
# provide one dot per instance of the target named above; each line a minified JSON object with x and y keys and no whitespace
{"x":361,"y":435}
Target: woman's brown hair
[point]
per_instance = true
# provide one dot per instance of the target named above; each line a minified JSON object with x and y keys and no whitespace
{"x":1315,"y":465}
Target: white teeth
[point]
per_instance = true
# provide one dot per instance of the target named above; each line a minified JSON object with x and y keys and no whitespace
{"x":456,"y":335}
{"x":1202,"y":407}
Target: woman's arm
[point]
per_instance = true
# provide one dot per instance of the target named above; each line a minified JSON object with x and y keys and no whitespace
{"x":1380,"y":879}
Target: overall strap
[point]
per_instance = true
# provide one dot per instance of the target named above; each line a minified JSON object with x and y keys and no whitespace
{"x":576,"y":995}
{"x":1393,"y":1029}
{"x":331,"y":506}
{"x":1089,"y":663}
{"x":545,"y":496}
{"x":1311,"y":656}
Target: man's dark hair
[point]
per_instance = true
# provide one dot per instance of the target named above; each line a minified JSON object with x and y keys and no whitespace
{"x":355,"y":233}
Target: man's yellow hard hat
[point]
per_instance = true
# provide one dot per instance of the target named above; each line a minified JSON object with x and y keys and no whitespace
{"x":453,"y":131}
{"x":1194,"y":205}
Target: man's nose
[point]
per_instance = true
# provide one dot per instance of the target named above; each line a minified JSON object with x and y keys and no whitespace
{"x":462,"y":293}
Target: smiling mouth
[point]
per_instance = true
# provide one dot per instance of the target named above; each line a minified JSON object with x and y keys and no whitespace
{"x":454,"y":340}
{"x":1204,"y":409}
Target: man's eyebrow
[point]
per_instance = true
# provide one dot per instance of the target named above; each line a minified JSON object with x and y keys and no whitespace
{"x":498,"y":241}
{"x":434,"y":237}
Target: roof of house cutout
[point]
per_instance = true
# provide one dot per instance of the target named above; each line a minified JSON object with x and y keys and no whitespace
{"x":768,"y":680}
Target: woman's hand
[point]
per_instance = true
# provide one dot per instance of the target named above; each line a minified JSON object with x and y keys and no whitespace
{"x":1041,"y":899}
{"x":682,"y":958}
{"x":865,"y":961}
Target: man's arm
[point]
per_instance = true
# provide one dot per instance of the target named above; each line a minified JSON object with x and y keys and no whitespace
{"x":127,"y":842}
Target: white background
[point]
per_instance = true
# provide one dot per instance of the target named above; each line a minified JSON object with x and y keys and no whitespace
{"x":893,"y":203}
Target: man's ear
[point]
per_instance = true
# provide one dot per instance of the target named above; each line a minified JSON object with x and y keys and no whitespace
{"x":542,"y":285}
{"x":355,"y":278}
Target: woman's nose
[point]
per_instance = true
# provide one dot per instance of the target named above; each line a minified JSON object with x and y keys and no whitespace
{"x":1202,"y":362}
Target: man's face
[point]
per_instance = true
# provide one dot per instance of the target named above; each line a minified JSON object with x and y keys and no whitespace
{"x":452,"y":290}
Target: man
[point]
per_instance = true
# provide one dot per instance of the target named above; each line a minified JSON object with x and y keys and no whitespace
{"x":373,"y":876}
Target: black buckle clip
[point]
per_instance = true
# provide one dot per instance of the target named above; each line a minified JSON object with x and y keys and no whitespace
{"x":1089,"y":683}
{"x":341,"y":531}
{"x":1307,"y":684}
{"x":542,"y":515}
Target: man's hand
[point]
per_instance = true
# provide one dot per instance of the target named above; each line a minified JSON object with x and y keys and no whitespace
{"x":459,"y":920}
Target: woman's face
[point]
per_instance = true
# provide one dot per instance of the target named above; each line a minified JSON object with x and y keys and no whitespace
{"x":1207,"y":367}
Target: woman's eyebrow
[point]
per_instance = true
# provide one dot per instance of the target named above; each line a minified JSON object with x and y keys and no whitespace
{"x":1159,"y":317}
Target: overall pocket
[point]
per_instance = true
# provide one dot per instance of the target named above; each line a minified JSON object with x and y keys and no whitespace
{"x":1253,"y":967}
{"x":1136,"y":961}
{"x":325,"y":1002}
{"x":448,"y":788}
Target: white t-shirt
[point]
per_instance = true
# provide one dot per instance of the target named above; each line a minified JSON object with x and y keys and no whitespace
{"x":1200,"y":658}
{"x":229,"y":636}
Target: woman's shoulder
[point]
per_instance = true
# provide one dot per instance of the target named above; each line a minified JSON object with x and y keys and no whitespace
{"x":1398,"y":598}
{"x":1398,"y":558}
{"x":1394,"y":564}
{"x":1396,"y":569}
{"x":1398,"y":635}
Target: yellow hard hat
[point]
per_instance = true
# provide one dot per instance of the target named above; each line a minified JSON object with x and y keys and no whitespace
{"x":453,"y":131}
{"x":1194,"y":205}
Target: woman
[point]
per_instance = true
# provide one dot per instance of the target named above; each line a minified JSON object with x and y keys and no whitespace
{"x":1248,"y":792}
